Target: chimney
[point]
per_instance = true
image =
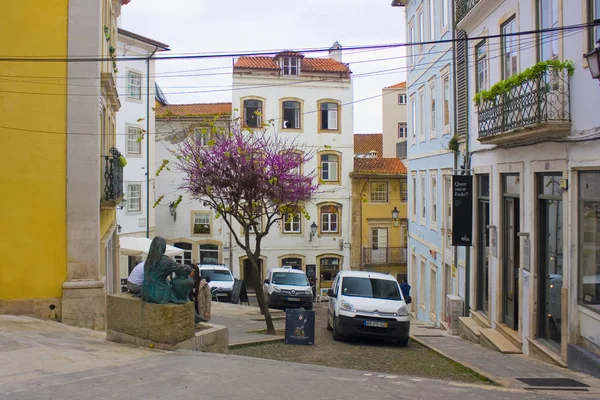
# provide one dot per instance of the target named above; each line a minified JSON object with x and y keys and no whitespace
{"x":335,"y":52}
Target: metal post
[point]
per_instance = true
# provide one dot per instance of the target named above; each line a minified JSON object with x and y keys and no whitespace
{"x":148,"y":142}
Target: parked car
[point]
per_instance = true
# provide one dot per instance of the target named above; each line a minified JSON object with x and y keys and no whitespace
{"x":221,"y":280}
{"x":368,"y":304}
{"x":288,"y":288}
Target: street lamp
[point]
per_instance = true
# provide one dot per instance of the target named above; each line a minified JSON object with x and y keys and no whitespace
{"x":173,"y":210}
{"x":313,"y":231}
{"x":122,"y":204}
{"x":395,"y":214}
{"x":593,"y":60}
{"x":119,"y":228}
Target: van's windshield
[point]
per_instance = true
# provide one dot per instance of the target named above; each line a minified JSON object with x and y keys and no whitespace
{"x":371,"y":288}
{"x":216,"y":274}
{"x":286,"y":278}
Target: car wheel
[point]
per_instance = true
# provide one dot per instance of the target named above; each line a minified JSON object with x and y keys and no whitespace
{"x":337,"y":336}
{"x":402,"y":342}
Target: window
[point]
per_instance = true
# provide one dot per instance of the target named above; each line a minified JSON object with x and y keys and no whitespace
{"x":414,"y":195}
{"x":134,"y":197}
{"x":509,"y":48}
{"x":329,"y":167}
{"x":481,"y":66}
{"x":411,"y":39}
{"x":548,"y":19}
{"x":329,"y":219}
{"x":329,"y":116}
{"x":594,"y":12}
{"x":432,"y":122}
{"x":253,"y":113}
{"x":202,"y":135}
{"x":445,"y":13}
{"x":379,"y":192}
{"x":421,"y":116}
{"x":589,"y":240}
{"x":431,"y":20}
{"x":432,"y":290}
{"x":401,"y":149}
{"x":402,"y":130}
{"x":329,"y":268}
{"x":134,"y":81}
{"x":291,"y":223}
{"x":401,"y":99}
{"x":134,"y":144}
{"x":423,"y":197}
{"x":404,"y":187}
{"x":186,"y":258}
{"x":290,"y":65}
{"x":297,"y":159}
{"x":209,"y":254}
{"x":421,"y":33}
{"x":433,"y":199}
{"x":413,"y":123}
{"x":201,"y":224}
{"x":291,"y":115}
{"x":379,"y":241}
{"x":446,"y":101}
{"x":422,"y":285}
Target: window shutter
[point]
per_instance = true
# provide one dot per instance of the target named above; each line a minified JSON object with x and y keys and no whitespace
{"x":333,"y":173}
{"x":332,"y":119}
{"x":462,"y":101}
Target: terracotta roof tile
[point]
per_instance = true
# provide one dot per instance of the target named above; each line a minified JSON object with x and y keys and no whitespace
{"x":366,"y":142}
{"x":306,"y":64}
{"x":378,"y":166}
{"x":192,"y":110}
{"x":401,"y":85}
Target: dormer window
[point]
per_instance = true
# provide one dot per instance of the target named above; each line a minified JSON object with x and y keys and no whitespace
{"x":290,"y":66}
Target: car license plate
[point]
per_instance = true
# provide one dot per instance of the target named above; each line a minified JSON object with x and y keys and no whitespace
{"x":222,"y":295}
{"x":376,"y":324}
{"x":293,"y":299}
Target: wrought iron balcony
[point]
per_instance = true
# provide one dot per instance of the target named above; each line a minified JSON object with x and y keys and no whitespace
{"x":384,"y":255}
{"x":538,"y":108}
{"x":462,"y":8}
{"x":112,"y":184}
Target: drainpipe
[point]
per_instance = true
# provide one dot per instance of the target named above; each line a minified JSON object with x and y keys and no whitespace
{"x":148,"y":142}
{"x":454,"y":110}
{"x":360,"y":221}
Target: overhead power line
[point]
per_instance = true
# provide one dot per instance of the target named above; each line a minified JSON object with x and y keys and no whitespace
{"x":310,"y":50}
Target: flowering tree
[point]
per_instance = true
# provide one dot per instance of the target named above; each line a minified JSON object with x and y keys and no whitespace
{"x":252,"y":177}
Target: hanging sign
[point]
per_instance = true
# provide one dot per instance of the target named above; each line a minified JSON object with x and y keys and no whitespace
{"x":462,"y":210}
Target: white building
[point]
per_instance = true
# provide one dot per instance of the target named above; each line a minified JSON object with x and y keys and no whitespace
{"x":135,"y":118}
{"x":309,"y":99}
{"x":534,"y":150}
{"x":395,"y":120}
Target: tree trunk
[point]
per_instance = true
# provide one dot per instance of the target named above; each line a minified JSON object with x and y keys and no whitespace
{"x":260,"y":294}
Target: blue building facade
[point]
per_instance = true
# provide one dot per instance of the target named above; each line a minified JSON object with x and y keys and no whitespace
{"x":433,"y":269}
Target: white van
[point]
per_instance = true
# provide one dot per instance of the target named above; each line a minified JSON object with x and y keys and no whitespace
{"x":369,"y":304}
{"x":221,"y":280}
{"x":287,"y":288}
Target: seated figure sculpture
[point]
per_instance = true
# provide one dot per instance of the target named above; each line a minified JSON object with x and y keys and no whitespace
{"x":156,"y":288}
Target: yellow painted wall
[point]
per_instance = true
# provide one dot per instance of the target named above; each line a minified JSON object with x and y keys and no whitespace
{"x":107,"y":217}
{"x":33,"y":249}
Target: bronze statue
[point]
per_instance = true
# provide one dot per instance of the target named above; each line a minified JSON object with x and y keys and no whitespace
{"x":156,"y":288}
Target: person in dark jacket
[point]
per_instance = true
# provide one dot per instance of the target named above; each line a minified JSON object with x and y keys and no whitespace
{"x":405,"y":287}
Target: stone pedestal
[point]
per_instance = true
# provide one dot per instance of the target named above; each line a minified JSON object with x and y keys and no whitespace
{"x":83,"y":304}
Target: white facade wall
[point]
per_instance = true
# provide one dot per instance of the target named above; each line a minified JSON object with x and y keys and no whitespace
{"x":135,"y":113}
{"x":564,"y":156}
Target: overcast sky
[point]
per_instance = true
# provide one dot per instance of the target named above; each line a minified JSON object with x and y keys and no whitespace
{"x":198,"y":26}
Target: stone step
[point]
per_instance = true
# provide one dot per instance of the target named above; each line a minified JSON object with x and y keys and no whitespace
{"x":492,"y":339}
{"x":469,"y":329}
{"x":481,"y":319}
{"x":510,"y":334}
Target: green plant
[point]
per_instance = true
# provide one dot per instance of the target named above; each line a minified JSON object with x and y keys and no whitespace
{"x":530,"y":73}
{"x":453,"y":144}
{"x":122,"y":161}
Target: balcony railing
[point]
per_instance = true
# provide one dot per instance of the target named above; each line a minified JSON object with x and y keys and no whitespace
{"x":536,"y":109}
{"x":384,"y":255}
{"x":113,"y":177}
{"x":462,"y":8}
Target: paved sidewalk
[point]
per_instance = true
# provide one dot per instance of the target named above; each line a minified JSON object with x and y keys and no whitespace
{"x":501,"y":368}
{"x":242,"y":319}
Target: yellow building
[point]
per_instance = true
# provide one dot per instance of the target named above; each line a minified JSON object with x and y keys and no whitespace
{"x":379,"y":222}
{"x":63,"y":180}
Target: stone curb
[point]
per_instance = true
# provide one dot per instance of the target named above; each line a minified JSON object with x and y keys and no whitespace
{"x":256,"y":342}
{"x":493,"y":378}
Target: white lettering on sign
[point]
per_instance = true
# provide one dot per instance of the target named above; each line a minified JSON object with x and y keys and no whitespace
{"x":460,"y":189}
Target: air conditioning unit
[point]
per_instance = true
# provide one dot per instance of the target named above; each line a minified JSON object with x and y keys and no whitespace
{"x":454,"y":310}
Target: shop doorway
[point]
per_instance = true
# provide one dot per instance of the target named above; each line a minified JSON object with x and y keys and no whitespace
{"x":511,"y":251}
{"x":483,"y":244}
